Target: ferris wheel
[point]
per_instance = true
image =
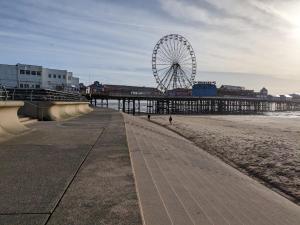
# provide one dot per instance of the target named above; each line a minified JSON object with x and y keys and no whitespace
{"x":173,"y":63}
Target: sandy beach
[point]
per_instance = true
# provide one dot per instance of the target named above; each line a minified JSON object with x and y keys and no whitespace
{"x":267,"y":148}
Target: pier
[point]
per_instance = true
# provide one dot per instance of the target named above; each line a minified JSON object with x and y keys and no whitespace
{"x":196,"y":105}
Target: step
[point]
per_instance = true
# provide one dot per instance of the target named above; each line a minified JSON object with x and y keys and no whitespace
{"x":30,"y":121}
{"x":24,"y":118}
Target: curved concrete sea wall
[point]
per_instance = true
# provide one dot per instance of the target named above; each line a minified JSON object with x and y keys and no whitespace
{"x":55,"y":110}
{"x":66,"y":110}
{"x":9,"y":120}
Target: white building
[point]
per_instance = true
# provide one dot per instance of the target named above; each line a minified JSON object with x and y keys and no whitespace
{"x":30,"y":76}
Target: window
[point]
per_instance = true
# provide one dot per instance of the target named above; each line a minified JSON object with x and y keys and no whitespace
{"x":33,"y":72}
{"x":37,"y":86}
{"x":59,"y":76}
{"x":64,"y":76}
{"x":49,"y":75}
{"x":38,"y":73}
{"x":22,"y":71}
{"x":69,"y":78}
{"x":21,"y":85}
{"x":54,"y":75}
{"x":28,"y":72}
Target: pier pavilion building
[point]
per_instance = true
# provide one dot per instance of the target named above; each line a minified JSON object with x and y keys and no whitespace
{"x":204,"y":89}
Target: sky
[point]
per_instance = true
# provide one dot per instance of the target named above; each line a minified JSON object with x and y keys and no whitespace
{"x":252,"y":43}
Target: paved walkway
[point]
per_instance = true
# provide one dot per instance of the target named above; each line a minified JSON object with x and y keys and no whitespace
{"x":69,"y":173}
{"x":180,"y":184}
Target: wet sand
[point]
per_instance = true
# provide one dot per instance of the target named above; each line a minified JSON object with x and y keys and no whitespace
{"x":267,"y":148}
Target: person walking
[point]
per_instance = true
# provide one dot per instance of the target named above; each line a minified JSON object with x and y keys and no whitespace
{"x":170,"y":119}
{"x":149,"y":117}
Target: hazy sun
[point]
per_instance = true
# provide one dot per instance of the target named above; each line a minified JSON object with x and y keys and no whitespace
{"x":295,"y":33}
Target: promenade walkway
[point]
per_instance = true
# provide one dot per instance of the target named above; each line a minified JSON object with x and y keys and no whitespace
{"x":180,"y":184}
{"x":69,"y":173}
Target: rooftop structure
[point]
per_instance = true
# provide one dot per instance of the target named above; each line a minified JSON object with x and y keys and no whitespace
{"x":232,"y":88}
{"x":179,"y":92}
{"x":35,"y":77}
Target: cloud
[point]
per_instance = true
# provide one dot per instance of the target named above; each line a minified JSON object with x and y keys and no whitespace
{"x":115,"y":39}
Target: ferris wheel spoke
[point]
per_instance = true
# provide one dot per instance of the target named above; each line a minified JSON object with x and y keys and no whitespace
{"x":163,"y":60}
{"x":171,"y":46}
{"x":183,"y":48}
{"x":188,"y":69}
{"x":163,"y":68}
{"x":174,"y":45}
{"x":177,"y":48}
{"x":170,"y":80}
{"x":185,"y":59}
{"x":170,"y":49}
{"x":180,"y":50}
{"x":167,"y":77}
{"x":165,"y":55}
{"x":166,"y":52}
{"x":182,"y":78}
{"x":184,"y":53}
{"x":186,"y":77}
{"x":166,"y":81}
{"x":187,"y":63}
{"x":164,"y":64}
{"x":166,"y":74}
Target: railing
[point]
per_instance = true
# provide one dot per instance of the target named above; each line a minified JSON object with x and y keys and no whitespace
{"x":42,"y":95}
{"x":3,"y":93}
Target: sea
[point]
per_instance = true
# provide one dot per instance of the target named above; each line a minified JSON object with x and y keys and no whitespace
{"x":113,"y":104}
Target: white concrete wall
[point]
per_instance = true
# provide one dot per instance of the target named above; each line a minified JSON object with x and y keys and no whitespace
{"x":54,"y":79}
{"x":8,"y":76}
{"x":29,"y":76}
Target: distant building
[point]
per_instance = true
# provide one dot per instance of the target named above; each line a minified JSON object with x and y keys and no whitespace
{"x":286,"y":97}
{"x":82,"y":88}
{"x":130,"y":90}
{"x":204,"y":88}
{"x":230,"y":90}
{"x":295,"y":96}
{"x":34,"y":77}
{"x":263,"y":92}
{"x":95,"y":88}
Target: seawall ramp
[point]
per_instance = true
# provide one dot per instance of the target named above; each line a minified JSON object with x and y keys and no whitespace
{"x":9,"y":120}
